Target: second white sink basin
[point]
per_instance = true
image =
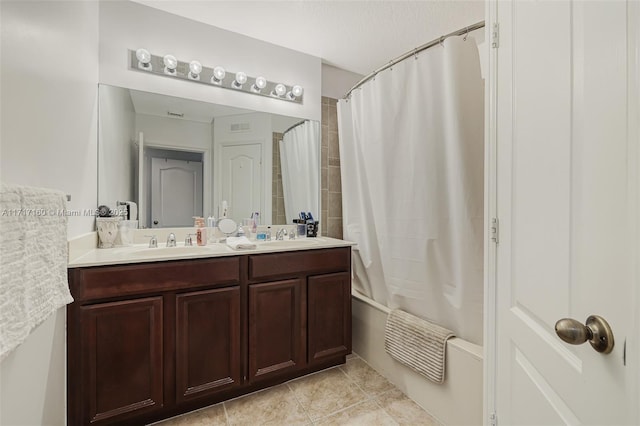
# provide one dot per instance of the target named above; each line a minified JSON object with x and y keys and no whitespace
{"x":301,"y":242}
{"x":178,"y":251}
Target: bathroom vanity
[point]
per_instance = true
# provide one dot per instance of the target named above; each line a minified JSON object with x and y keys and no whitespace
{"x":150,"y":340}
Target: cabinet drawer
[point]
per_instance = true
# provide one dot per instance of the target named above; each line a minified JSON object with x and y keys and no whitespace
{"x":302,"y":262}
{"x":118,"y":281}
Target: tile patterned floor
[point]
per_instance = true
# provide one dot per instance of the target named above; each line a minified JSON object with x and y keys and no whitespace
{"x":350,"y":394}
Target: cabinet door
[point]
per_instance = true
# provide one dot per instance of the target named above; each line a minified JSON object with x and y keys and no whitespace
{"x":276,"y":343}
{"x":329,"y":316}
{"x":207,"y":342}
{"x":121,"y":359}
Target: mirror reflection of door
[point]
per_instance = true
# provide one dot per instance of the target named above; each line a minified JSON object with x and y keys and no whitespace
{"x":176,"y":192}
{"x":242,"y":179}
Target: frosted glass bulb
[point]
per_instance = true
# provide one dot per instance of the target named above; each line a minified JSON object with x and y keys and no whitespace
{"x":170,"y":62}
{"x":219,"y":73}
{"x":241,"y":78}
{"x":195,"y":67}
{"x":143,"y":55}
{"x":296,"y":91}
{"x":261,"y":82}
{"x":280,"y":89}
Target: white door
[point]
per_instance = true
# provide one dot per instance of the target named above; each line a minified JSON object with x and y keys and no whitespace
{"x":566,"y":141}
{"x":241,"y":179}
{"x":176,"y":192}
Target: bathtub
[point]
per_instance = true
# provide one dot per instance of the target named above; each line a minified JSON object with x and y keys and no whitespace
{"x":458,"y":401}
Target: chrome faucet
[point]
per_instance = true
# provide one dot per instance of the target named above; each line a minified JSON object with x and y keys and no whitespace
{"x":171,"y":240}
{"x":280,"y":234}
{"x":188,"y":241}
{"x":153,"y":242}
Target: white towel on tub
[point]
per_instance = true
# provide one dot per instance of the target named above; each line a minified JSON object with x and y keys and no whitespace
{"x":33,"y":260}
{"x":417,"y":343}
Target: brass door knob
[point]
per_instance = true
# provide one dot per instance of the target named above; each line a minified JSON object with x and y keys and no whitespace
{"x":596,"y":331}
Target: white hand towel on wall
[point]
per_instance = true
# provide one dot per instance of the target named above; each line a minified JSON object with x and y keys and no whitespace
{"x":33,"y":261}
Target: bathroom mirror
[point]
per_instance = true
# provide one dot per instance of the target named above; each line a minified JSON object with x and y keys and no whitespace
{"x":177,"y":158}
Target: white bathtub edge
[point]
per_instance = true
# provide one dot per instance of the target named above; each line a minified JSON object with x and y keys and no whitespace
{"x":458,"y":401}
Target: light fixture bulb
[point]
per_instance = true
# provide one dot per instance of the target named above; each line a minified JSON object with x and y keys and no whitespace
{"x":241,"y":78}
{"x":295,"y":92}
{"x":260,"y":84}
{"x":218,"y":75}
{"x":195,"y":68}
{"x":144,"y":59}
{"x":279,"y":90}
{"x":170,"y":64}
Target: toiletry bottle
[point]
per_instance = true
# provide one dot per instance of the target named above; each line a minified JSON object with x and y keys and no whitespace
{"x":240,"y":231}
{"x":201,"y":231}
{"x":211,"y":229}
{"x":268,"y":237}
{"x":254,"y":228}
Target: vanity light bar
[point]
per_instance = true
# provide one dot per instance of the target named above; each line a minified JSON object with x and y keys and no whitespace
{"x":168,"y":66}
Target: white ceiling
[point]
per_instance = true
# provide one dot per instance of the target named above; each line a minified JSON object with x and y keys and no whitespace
{"x":202,"y":112}
{"x":160,"y":105}
{"x":358,"y":36}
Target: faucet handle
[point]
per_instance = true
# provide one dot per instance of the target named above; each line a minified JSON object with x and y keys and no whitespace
{"x":153,"y":242}
{"x":189,"y":241}
{"x":171,"y":240}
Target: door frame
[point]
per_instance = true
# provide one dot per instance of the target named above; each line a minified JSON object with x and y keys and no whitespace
{"x":490,"y":186}
{"x":207,"y":190}
{"x":266,"y":175}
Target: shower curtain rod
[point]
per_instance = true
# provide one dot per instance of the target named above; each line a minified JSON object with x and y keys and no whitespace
{"x":294,"y":126}
{"x":435,"y":42}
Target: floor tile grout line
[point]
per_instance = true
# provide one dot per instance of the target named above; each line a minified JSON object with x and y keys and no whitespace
{"x":306,"y":413}
{"x":341,"y":410}
{"x":226,"y":414}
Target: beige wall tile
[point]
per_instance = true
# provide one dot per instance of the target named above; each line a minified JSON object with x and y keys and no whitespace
{"x":335,"y":181}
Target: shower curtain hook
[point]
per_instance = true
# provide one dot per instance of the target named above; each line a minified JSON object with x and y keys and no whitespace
{"x":415,"y":53}
{"x":441,"y":40}
{"x":465,"y":35}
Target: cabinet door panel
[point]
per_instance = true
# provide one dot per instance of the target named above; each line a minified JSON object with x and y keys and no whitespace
{"x":275,"y":328}
{"x":122,"y":358}
{"x":329,"y":316}
{"x":207,"y":342}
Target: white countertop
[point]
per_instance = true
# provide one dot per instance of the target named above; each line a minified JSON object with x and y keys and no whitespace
{"x":139,"y":253}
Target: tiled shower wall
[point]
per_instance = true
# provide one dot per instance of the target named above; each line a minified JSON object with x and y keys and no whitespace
{"x":330,"y":183}
{"x":277,"y":195}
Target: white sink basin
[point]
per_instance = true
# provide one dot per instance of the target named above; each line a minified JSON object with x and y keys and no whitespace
{"x":176,"y":251}
{"x":299,"y":243}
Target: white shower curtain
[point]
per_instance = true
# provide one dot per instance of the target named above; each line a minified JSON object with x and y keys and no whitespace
{"x":412,"y":155}
{"x":299,"y":163}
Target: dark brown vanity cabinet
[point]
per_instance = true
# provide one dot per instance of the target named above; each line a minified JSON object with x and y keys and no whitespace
{"x":299,"y":310}
{"x":149,"y":341}
{"x":276,"y":341}
{"x":207,"y":342}
{"x":122,"y":358}
{"x":329,"y":316}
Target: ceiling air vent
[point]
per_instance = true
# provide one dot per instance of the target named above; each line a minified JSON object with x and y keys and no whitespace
{"x":175,"y":114}
{"x":240,"y":127}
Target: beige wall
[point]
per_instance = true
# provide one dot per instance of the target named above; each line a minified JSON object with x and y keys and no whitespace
{"x":49,"y":76}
